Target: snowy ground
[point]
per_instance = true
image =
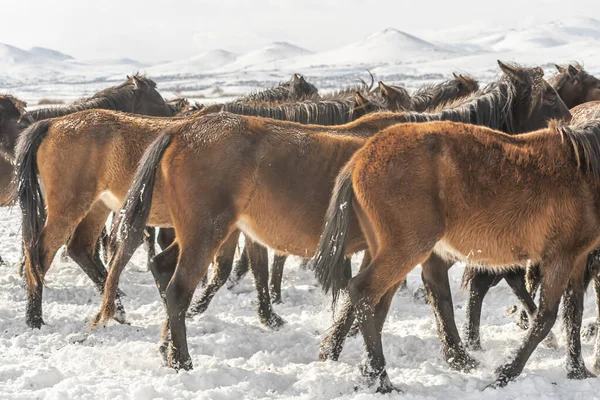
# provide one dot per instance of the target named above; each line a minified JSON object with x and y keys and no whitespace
{"x":237,"y":358}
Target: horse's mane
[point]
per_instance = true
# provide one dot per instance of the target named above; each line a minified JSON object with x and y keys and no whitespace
{"x":430,"y":97}
{"x":491,"y":106}
{"x":584,"y":137}
{"x":119,"y":98}
{"x":325,"y":112}
{"x":284,"y":91}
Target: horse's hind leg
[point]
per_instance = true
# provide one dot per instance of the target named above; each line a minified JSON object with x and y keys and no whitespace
{"x":331,"y":347}
{"x":242,"y":266}
{"x":162,"y":267}
{"x":553,"y":285}
{"x":83,"y":248}
{"x":572,"y":316}
{"x":277,"y":277}
{"x":149,"y":240}
{"x":366,"y":290}
{"x":259,"y":264}
{"x":480,"y":284}
{"x":435,"y":279}
{"x":199,"y":241}
{"x":221,"y":270}
{"x":516,"y":281}
{"x":55,"y":233}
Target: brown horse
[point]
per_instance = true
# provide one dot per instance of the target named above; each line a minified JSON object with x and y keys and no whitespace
{"x":476,"y":195}
{"x":92,"y":155}
{"x":269,"y":181}
{"x":395,"y":98}
{"x":179,"y":106}
{"x":430,"y":97}
{"x":575,"y":86}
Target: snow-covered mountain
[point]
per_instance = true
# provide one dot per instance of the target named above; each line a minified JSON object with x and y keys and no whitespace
{"x":268,"y":57}
{"x":470,"y":48}
{"x":387,"y":46}
{"x":199,"y":64}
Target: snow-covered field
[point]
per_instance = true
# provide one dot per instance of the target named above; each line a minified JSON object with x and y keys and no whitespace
{"x":234,"y":356}
{"x":237,"y":358}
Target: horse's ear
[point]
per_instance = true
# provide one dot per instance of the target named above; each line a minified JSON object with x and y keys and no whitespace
{"x":572,"y":71}
{"x":299,"y":78}
{"x":455,"y":76}
{"x":384,"y":89}
{"x":19,"y":105}
{"x":139,"y":83}
{"x":360,"y":100}
{"x":539,"y":72}
{"x":559,"y":68}
{"x":511,"y":71}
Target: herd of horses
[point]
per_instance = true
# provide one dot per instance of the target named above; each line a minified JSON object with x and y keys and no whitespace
{"x":505,"y":178}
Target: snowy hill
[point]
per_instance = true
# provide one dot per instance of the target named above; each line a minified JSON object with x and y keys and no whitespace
{"x":196,"y":65}
{"x":551,"y":34}
{"x":268,"y":57}
{"x":387,"y":46}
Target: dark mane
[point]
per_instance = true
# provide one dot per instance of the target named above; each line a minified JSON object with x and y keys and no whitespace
{"x":295,"y":89}
{"x":491,"y":106}
{"x":584,"y":137}
{"x":119,"y":98}
{"x":430,"y":97}
{"x":325,"y":112}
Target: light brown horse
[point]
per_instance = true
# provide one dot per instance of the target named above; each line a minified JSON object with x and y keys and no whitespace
{"x":92,"y":155}
{"x":270,"y":182}
{"x":471,"y":194}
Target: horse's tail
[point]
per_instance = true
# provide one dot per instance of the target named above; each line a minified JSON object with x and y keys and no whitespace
{"x":27,"y":191}
{"x":128,"y":226}
{"x":327,"y":260}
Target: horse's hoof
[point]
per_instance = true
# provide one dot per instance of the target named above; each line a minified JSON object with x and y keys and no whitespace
{"x":35,"y":322}
{"x":176,"y":361}
{"x":121,"y":318}
{"x":589,"y":332}
{"x":580,"y":372}
{"x":276,"y":299}
{"x":329,"y":350}
{"x":386,"y":386}
{"x":273,"y":321}
{"x":463,"y":362}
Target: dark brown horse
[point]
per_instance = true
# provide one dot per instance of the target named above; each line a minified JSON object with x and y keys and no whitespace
{"x":478,"y":196}
{"x":138,"y":94}
{"x":270,"y":181}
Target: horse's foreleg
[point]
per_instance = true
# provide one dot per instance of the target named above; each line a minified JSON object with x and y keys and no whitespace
{"x":277,"y":277}
{"x":435,"y":279}
{"x":259,"y":264}
{"x":221,"y":270}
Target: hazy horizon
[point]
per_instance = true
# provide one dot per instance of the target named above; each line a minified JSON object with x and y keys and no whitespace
{"x":150,"y":31}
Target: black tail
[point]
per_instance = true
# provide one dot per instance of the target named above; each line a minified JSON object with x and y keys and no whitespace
{"x":327,"y":261}
{"x":129,"y":223}
{"x":27,"y":191}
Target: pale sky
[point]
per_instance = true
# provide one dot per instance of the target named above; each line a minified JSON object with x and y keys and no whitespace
{"x":157,"y":30}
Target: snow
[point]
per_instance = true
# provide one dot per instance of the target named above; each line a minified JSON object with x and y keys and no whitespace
{"x":235,"y":357}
